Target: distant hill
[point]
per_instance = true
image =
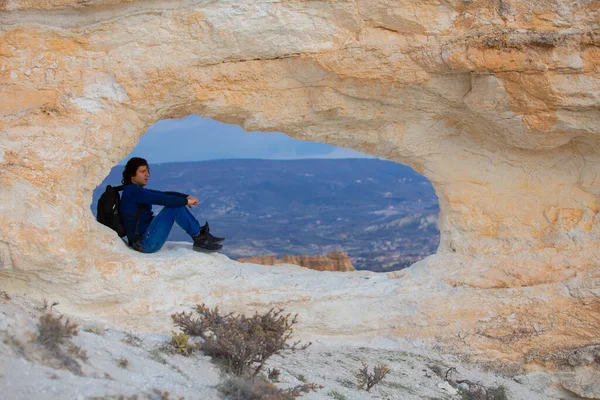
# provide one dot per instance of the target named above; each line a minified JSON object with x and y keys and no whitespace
{"x":382,"y":214}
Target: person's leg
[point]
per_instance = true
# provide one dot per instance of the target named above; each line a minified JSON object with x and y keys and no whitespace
{"x":158,"y":231}
{"x":188,"y":223}
{"x":186,"y":220}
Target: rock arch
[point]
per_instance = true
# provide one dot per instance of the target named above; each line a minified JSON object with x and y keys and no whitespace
{"x":496,"y":103}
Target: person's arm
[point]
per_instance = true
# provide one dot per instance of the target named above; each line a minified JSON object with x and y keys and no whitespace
{"x":147,"y":196}
{"x":177,"y":194}
{"x":192,"y":200}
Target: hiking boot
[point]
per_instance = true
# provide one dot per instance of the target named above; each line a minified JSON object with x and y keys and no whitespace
{"x":204,"y":245}
{"x":205,"y":233}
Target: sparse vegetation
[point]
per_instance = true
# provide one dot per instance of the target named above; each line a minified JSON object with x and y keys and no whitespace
{"x":469,"y":390}
{"x":123,"y":363}
{"x":48,"y":306}
{"x":78,"y":352}
{"x":132,"y":340}
{"x":299,"y":390}
{"x":242,"y":345}
{"x":477,"y":391}
{"x":156,"y":354}
{"x":54,"y":332}
{"x":334,"y":394}
{"x":237,"y":342}
{"x":180,"y":343}
{"x":366,"y":380}
{"x":237,"y":388}
{"x":347,"y":383}
{"x":257,"y":388}
{"x":273,"y":374}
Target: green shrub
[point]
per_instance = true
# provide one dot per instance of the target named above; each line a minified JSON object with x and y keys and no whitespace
{"x":180,"y":342}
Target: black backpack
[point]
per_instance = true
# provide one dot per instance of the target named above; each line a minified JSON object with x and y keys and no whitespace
{"x":108,"y":210}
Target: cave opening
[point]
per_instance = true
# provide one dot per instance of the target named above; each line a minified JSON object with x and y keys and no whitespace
{"x":273,"y":196}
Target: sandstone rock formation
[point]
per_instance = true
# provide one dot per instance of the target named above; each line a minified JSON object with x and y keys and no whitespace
{"x":333,"y":261}
{"x":495,"y":101}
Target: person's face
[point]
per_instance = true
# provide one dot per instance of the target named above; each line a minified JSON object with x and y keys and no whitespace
{"x":141,"y":176}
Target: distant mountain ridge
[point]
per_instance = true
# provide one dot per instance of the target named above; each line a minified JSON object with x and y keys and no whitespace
{"x":382,"y":214}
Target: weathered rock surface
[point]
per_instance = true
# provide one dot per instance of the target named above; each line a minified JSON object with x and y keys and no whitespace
{"x":113,"y":364}
{"x":496,"y":102}
{"x":333,"y":261}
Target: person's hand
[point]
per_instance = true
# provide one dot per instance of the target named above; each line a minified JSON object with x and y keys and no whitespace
{"x":192,"y":201}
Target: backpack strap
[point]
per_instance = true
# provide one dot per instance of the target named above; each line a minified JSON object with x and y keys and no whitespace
{"x":138,"y":213}
{"x":137,"y":223}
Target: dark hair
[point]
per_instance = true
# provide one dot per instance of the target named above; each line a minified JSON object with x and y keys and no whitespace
{"x":131,"y":169}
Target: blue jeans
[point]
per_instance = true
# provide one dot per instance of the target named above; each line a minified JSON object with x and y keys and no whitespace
{"x":158,"y":231}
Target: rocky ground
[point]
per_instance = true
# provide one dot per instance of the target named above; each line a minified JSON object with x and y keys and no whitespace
{"x":106,"y":363}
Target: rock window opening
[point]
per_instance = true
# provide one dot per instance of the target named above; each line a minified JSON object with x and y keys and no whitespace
{"x":273,"y":196}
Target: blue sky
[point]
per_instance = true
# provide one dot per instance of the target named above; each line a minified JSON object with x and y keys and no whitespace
{"x":194,"y":138}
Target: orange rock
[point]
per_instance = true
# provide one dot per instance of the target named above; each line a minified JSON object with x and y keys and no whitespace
{"x":334,"y":261}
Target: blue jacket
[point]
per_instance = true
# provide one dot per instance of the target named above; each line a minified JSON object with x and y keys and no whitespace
{"x":136,"y":199}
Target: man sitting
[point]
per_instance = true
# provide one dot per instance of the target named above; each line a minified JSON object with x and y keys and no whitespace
{"x":148,"y":233}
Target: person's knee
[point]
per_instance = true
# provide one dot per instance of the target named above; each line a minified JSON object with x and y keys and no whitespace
{"x":182,"y":209}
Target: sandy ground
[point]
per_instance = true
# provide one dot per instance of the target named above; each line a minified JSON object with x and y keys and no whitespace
{"x":106,"y":363}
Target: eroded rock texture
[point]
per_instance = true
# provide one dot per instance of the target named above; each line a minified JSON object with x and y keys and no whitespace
{"x":495,"y":101}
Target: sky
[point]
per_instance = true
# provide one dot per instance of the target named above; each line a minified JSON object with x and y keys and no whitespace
{"x":194,"y":138}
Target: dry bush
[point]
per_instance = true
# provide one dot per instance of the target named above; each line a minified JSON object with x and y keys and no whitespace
{"x":237,"y":342}
{"x":468,"y":389}
{"x":238,"y":388}
{"x":273,"y":374}
{"x":366,"y":380}
{"x":48,"y":306}
{"x":54,"y":332}
{"x":299,"y":390}
{"x":77,"y":352}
